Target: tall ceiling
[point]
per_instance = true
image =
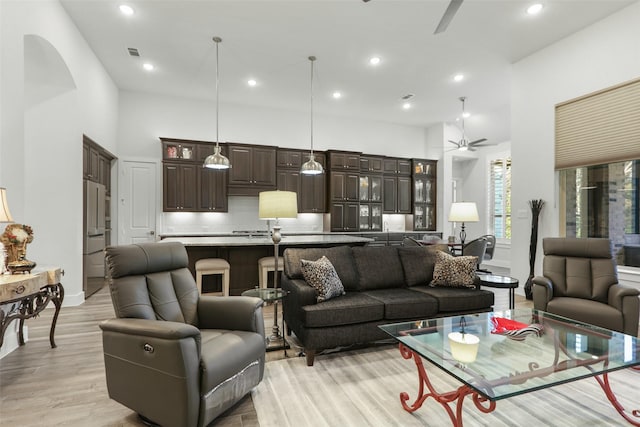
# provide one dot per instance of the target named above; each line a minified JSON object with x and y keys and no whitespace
{"x":270,"y":41}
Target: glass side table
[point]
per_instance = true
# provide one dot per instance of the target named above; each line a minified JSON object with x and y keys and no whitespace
{"x":276,"y":341}
{"x":502,"y":282}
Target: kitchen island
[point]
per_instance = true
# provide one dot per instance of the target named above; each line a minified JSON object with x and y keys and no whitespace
{"x":243,"y":252}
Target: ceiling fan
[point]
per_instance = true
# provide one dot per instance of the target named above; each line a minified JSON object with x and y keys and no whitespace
{"x":453,"y":7}
{"x":464,"y":144}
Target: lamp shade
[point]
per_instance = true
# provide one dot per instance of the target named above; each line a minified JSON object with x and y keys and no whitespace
{"x":464,"y":347}
{"x":463,"y":212}
{"x":5,"y":215}
{"x":277,"y":204}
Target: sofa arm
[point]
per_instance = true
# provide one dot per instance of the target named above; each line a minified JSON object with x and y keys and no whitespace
{"x":542,"y":291}
{"x":627,"y":300}
{"x":233,"y":313}
{"x":299,"y":294}
{"x":153,"y":367}
{"x":618,"y":293}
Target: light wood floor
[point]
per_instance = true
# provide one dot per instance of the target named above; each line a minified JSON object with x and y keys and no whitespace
{"x":41,"y":386}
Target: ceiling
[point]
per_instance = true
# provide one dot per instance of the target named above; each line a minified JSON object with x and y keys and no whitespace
{"x":271,"y":41}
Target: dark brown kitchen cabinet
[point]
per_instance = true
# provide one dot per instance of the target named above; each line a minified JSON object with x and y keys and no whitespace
{"x":396,"y":194}
{"x":371,"y":164}
{"x":179,"y":187}
{"x":344,"y":216}
{"x":424,"y":194}
{"x":344,"y":160}
{"x":312,"y":196}
{"x":213,"y":190}
{"x":344,"y":186}
{"x":96,"y":163}
{"x":290,"y":159}
{"x":253,"y":169}
{"x":397,"y":166}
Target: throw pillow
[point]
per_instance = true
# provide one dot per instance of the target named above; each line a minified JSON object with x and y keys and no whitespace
{"x":323,"y":277}
{"x":453,"y":271}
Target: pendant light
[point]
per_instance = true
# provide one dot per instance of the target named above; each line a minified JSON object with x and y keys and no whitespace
{"x":217,"y":160}
{"x":311,"y":167}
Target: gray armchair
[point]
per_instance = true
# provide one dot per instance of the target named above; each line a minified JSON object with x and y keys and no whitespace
{"x":580,"y":282}
{"x":173,"y":356}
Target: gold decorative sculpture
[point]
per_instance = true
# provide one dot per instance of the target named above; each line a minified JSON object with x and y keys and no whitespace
{"x":15,"y":239}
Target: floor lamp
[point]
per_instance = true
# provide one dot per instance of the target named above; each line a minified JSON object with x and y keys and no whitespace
{"x":276,"y":205}
{"x":463,"y":212}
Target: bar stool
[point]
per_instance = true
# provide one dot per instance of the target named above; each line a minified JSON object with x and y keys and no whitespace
{"x":265,"y":265}
{"x":213,"y":266}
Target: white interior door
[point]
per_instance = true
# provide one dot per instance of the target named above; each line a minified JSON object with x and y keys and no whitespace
{"x":137,"y":202}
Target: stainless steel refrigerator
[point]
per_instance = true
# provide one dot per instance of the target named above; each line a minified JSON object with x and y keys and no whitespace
{"x":94,"y":237}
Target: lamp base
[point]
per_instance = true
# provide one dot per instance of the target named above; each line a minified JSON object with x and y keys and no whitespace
{"x":22,"y":266}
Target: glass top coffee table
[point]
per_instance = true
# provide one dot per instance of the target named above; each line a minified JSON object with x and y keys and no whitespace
{"x":501,"y":354}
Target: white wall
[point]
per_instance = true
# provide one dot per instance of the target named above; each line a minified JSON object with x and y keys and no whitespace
{"x":143,"y":118}
{"x":602,"y":55}
{"x":41,"y":136}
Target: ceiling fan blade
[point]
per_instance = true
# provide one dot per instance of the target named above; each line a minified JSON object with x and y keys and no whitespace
{"x":453,"y":7}
{"x":454,"y":142}
{"x":478,"y":141}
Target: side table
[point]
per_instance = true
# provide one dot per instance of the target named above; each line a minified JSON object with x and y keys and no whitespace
{"x":502,"y":282}
{"x":271,"y":295}
{"x":27,"y":295}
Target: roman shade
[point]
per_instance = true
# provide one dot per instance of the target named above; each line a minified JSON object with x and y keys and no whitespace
{"x":602,"y":127}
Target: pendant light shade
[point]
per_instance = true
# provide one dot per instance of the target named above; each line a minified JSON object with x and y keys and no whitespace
{"x":311,"y":166}
{"x":217,"y":160}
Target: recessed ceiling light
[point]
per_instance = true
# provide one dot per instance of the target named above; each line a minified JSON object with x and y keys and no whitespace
{"x":252,"y":82}
{"x":126,"y":10}
{"x":374,"y":61}
{"x":458,"y":77}
{"x":466,"y":114}
{"x":337,"y":95}
{"x":406,"y":105}
{"x":148,"y":66}
{"x":535,"y":8}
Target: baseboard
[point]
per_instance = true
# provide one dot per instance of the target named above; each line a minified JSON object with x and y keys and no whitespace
{"x":71,"y":300}
{"x":10,"y":342}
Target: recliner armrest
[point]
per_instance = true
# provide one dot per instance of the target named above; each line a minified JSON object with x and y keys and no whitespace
{"x":618,"y":292}
{"x":151,"y":328}
{"x":236,"y":313}
{"x":542,"y":291}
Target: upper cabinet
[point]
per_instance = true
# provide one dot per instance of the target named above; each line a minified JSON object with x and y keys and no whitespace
{"x":371,"y":164}
{"x":397,"y":166}
{"x":344,"y":160}
{"x":253,"y":169}
{"x":187,"y":185}
{"x":96,"y":163}
{"x":311,"y":189}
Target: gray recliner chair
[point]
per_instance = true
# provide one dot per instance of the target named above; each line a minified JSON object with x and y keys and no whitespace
{"x":173,"y":356}
{"x":580,"y":282}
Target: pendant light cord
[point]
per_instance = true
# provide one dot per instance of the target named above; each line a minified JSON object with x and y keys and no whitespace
{"x":217,"y":40}
{"x":312,"y":59}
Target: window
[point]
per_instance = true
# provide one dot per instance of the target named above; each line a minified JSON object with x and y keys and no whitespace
{"x":604,"y":201}
{"x":500,"y":198}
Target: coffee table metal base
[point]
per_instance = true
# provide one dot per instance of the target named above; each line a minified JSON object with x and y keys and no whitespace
{"x":482,"y":403}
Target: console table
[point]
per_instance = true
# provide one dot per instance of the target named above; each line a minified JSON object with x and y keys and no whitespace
{"x":23,"y":296}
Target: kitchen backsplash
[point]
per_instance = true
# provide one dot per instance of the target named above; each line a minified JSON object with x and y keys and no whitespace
{"x":243,"y":215}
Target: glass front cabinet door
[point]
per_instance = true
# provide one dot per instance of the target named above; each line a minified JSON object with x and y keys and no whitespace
{"x":424,"y":195}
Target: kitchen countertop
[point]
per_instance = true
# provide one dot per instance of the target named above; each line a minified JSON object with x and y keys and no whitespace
{"x":290,"y":240}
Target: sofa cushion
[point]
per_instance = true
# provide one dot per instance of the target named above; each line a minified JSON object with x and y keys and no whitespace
{"x":378,"y":267}
{"x":453,"y":271}
{"x":323,"y":277}
{"x":354,"y":307}
{"x":405,"y":304}
{"x":417,"y":263}
{"x":340,"y":257}
{"x":458,"y":299}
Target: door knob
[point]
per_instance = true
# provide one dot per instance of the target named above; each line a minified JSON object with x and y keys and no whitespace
{"x":152,"y":232}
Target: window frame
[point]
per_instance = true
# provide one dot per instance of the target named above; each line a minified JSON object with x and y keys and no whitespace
{"x":505,"y":157}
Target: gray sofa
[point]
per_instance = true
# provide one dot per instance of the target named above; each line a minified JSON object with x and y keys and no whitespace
{"x":382,"y":284}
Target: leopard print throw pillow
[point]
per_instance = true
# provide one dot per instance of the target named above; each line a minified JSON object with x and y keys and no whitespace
{"x":453,"y":271}
{"x":323,"y":277}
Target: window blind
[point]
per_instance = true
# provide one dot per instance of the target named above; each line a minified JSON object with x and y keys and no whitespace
{"x":602,"y":127}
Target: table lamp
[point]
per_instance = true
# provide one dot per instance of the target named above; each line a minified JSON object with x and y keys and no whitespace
{"x":276,"y":205}
{"x":463,"y":212}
